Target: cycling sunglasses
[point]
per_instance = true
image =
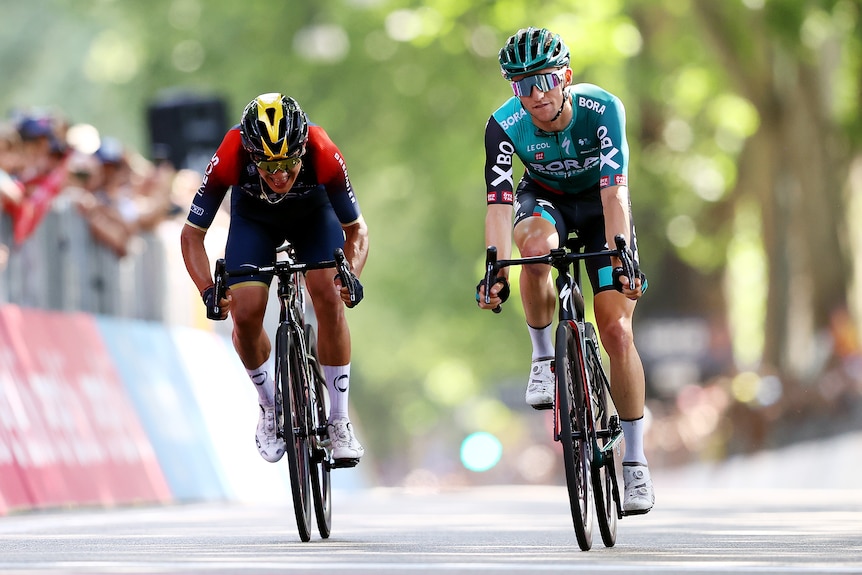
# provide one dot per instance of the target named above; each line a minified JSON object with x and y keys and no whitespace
{"x":544,"y":82}
{"x":273,"y":166}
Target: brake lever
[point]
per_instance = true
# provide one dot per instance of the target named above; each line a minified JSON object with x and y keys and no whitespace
{"x":220,"y":290}
{"x":345,"y":275}
{"x":626,"y":259}
{"x":491,"y":275}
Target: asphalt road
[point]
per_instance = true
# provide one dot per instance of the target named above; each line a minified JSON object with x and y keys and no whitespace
{"x":493,"y":530}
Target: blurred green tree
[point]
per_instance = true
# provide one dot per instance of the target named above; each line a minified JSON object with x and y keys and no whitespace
{"x":743,"y":122}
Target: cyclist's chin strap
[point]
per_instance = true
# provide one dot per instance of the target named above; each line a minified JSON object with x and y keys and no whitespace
{"x":560,"y":111}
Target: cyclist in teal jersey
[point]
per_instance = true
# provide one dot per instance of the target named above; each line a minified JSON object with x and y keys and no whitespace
{"x":571,"y":140}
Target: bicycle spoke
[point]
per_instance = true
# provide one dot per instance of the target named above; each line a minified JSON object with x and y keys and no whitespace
{"x":603,"y":475}
{"x":576,"y":454}
{"x":291,"y":383}
{"x":319,"y":414}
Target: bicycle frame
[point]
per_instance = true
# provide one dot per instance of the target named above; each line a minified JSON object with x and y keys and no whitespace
{"x":594,"y":430}
{"x":571,"y":306}
{"x":301,"y":394}
{"x":291,"y":296}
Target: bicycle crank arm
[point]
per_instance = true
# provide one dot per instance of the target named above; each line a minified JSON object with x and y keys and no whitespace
{"x":615,"y":439}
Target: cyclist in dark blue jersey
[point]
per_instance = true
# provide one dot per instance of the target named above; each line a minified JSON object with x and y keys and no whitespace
{"x":288,"y":181}
{"x":571,"y":140}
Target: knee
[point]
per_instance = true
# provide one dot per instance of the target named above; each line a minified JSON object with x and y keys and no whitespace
{"x":617,"y":337}
{"x":246,"y":321}
{"x":328,"y":306}
{"x":533,"y":245}
{"x":247,"y":314}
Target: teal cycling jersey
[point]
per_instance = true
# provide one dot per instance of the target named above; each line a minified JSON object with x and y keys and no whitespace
{"x":590,"y":152}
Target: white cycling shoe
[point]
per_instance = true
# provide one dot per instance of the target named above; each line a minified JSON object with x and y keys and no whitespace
{"x":270,"y":446}
{"x":346,"y":449}
{"x":540,"y":387}
{"x":639,"y":496}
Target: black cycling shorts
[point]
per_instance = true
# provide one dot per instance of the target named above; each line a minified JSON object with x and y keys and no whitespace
{"x":575,"y":216}
{"x":307,"y":221}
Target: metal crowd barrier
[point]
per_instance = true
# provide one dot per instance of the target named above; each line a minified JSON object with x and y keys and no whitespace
{"x":62,"y":267}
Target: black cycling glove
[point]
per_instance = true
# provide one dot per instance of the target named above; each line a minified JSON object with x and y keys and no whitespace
{"x":504,"y":292}
{"x":620,"y":272}
{"x":358,"y":290}
{"x":209,"y":300}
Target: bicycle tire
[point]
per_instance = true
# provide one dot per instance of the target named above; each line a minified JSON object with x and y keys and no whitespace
{"x":321,"y":485}
{"x":573,"y":431}
{"x":290,"y":391}
{"x":603,"y":467}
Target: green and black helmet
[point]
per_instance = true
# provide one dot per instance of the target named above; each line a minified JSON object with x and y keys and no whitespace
{"x":532,"y":49}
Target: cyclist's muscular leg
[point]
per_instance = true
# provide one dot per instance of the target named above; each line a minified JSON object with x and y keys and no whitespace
{"x":248,"y":307}
{"x":333,"y":334}
{"x":536,"y":236}
{"x":333,"y":348}
{"x":614,"y":320}
{"x":253,"y":347}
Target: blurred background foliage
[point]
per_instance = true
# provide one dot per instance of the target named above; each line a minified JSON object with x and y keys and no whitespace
{"x":743,"y":122}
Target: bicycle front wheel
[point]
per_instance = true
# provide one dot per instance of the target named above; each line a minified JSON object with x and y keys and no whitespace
{"x":291,"y":394}
{"x":321,"y":487}
{"x":603,"y":468}
{"x":573,"y":431}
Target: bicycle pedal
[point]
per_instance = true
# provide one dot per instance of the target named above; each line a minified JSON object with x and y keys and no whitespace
{"x":636,"y":512}
{"x":344,"y":463}
{"x":543,"y":406}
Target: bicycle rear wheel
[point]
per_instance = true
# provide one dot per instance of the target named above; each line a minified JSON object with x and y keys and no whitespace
{"x":603,"y":467}
{"x":321,"y":487}
{"x":572,"y":431}
{"x":291,"y":394}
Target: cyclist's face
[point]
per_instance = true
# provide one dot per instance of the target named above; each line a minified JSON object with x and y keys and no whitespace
{"x":281,"y":181}
{"x":543,"y":106}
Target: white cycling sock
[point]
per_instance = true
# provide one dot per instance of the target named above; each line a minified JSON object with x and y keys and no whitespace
{"x":338,"y":381}
{"x":543,"y":347}
{"x":263,"y":381}
{"x":633,"y":431}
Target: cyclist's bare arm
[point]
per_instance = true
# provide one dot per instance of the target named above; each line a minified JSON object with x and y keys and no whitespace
{"x":615,"y":205}
{"x":197,"y":262}
{"x":356,"y":245}
{"x":356,"y":254}
{"x":498,"y":233}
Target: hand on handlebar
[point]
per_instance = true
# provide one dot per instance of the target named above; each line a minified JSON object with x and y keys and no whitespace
{"x":345,"y":290}
{"x":497,"y":295}
{"x":622,"y":283}
{"x":210,"y":302}
{"x":488,"y":295}
{"x":217,"y":297}
{"x":346,"y":281}
{"x":628,"y":279}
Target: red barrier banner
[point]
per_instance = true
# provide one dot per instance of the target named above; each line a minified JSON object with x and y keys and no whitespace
{"x":14,"y":493}
{"x":90,"y":434}
{"x":37,"y":475}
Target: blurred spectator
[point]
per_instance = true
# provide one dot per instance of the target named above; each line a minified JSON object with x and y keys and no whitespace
{"x":43,"y":174}
{"x":154,"y":191}
{"x":128,"y":194}
{"x":39,"y":143}
{"x":83,"y":173}
{"x":109,"y":207}
{"x":11,"y":188}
